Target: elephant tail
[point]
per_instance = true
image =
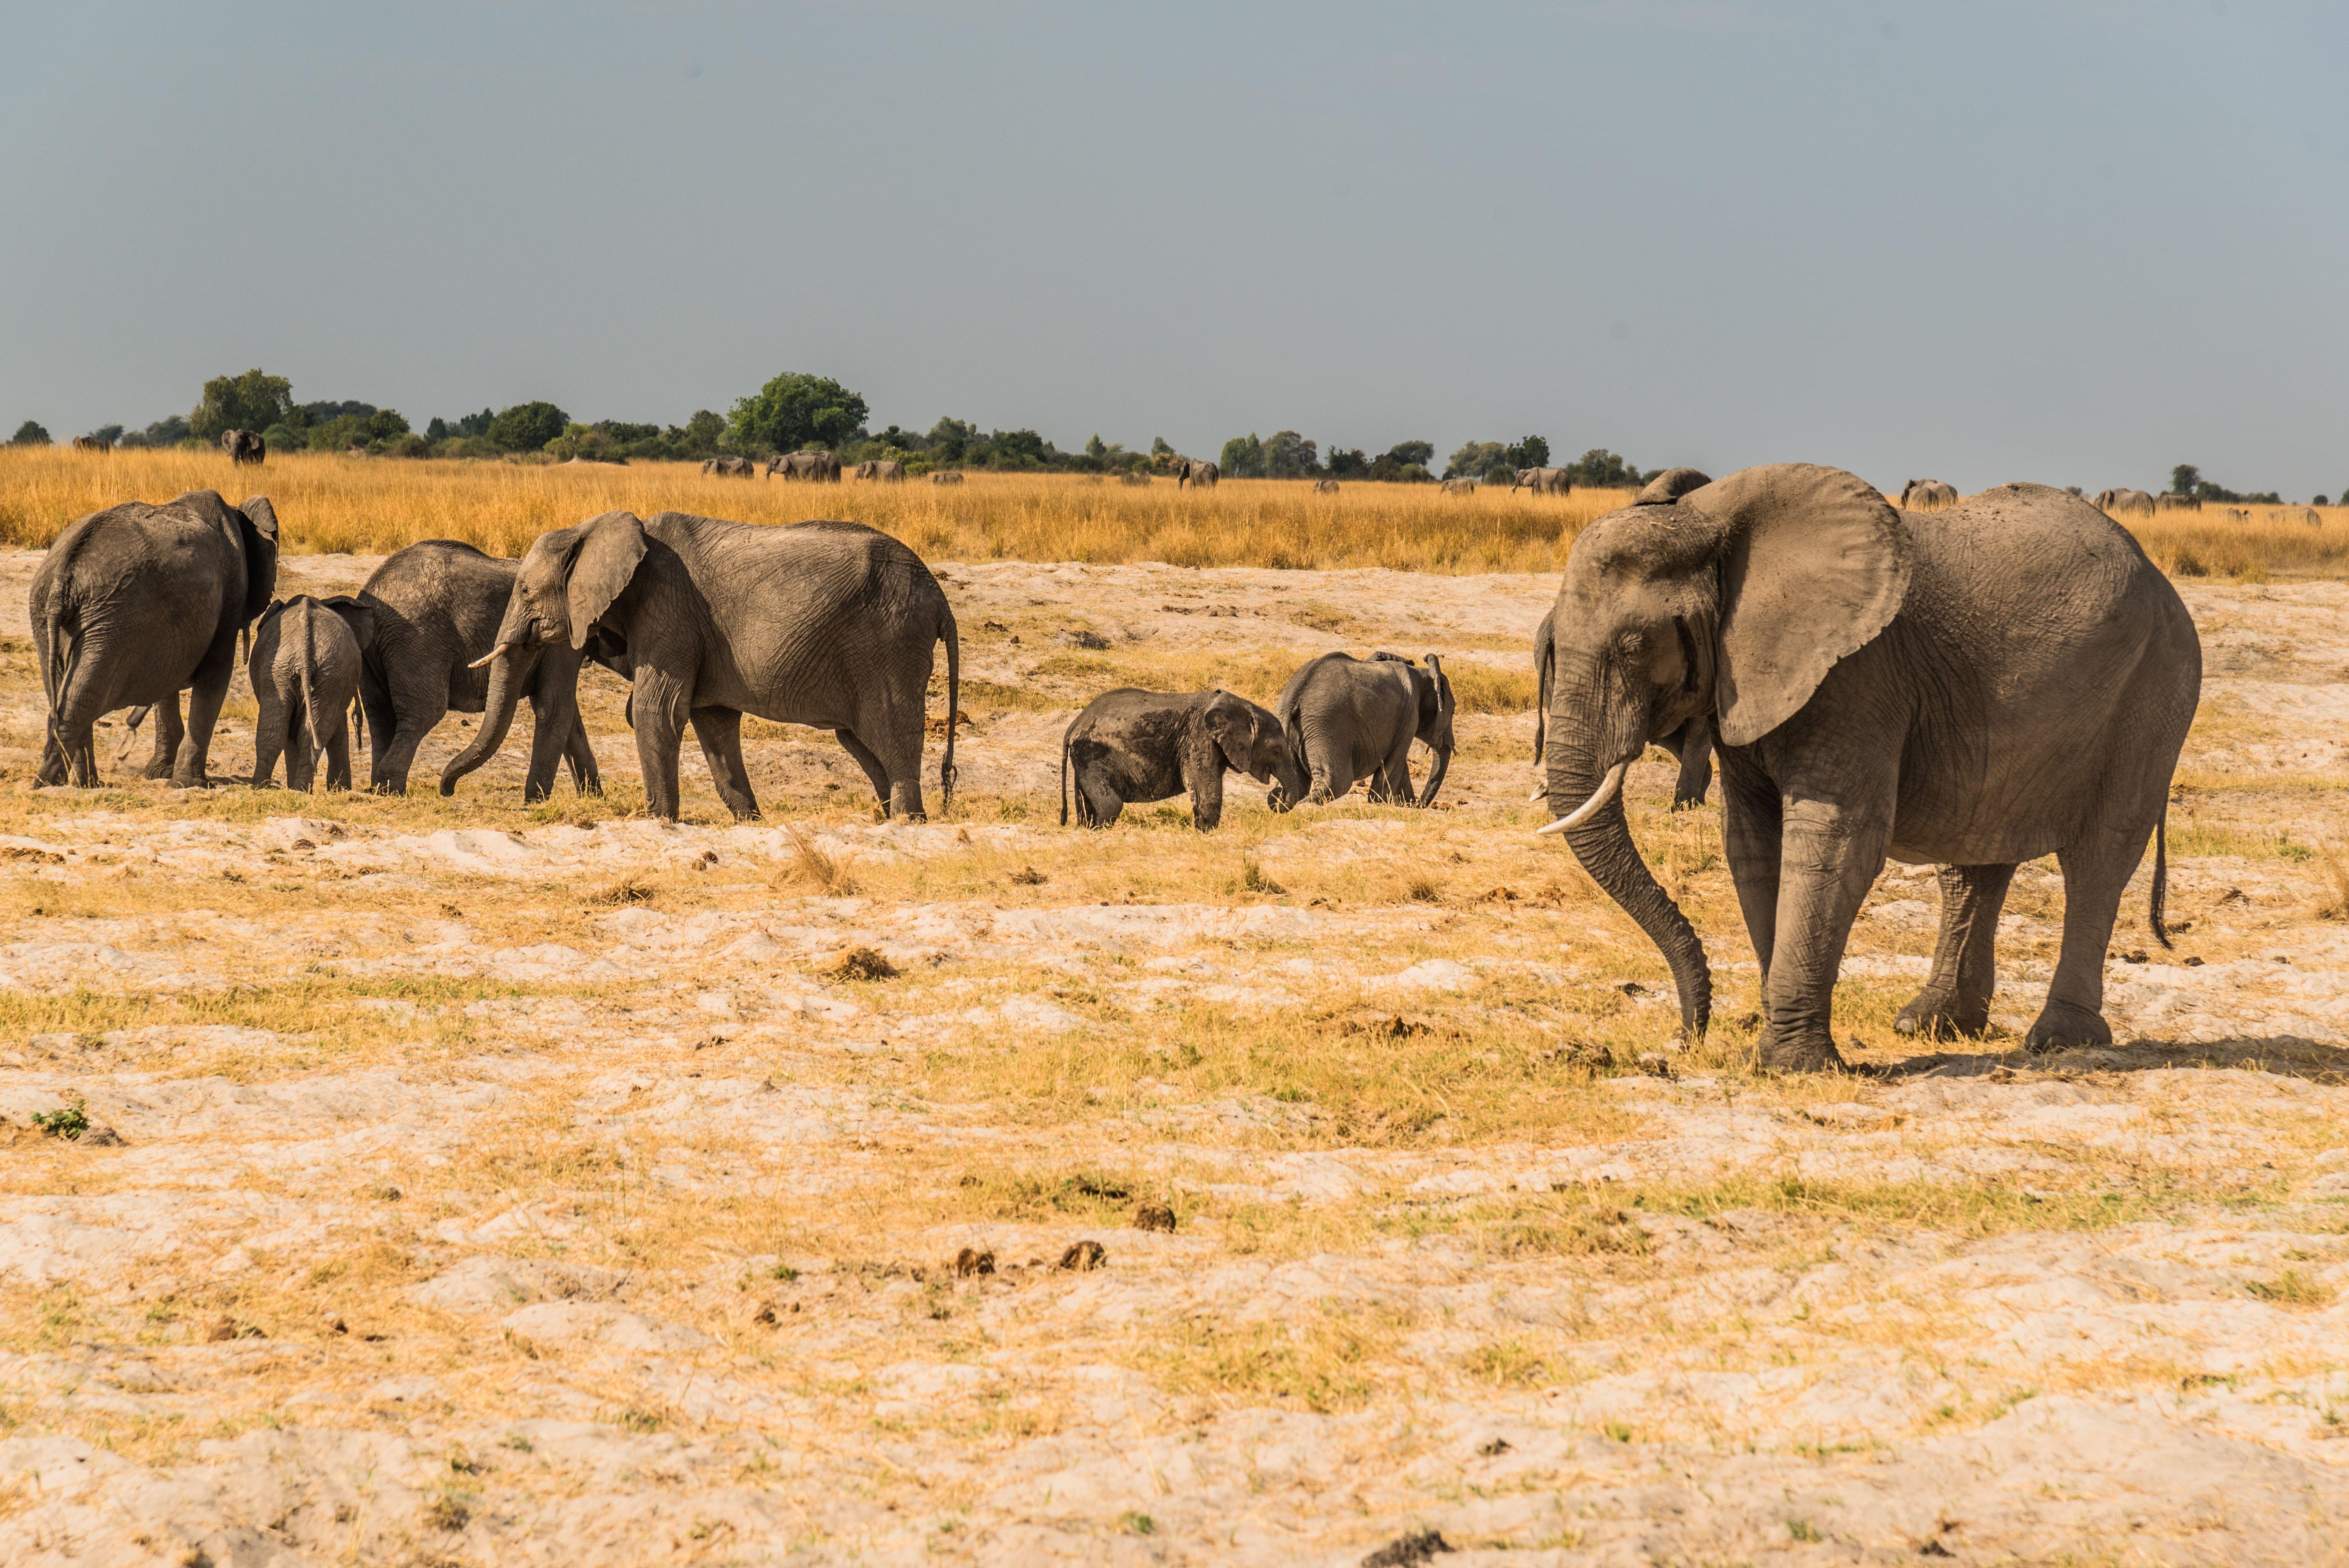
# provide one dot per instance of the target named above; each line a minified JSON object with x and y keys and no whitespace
{"x":946,"y":629}
{"x":305,"y":682}
{"x":1064,"y":776}
{"x":2157,"y":897}
{"x":63,"y":656}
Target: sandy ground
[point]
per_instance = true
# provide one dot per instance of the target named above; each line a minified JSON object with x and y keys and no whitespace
{"x":493,"y":1185}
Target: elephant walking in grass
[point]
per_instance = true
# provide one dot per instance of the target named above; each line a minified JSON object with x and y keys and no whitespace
{"x":1458,"y":487}
{"x":1348,"y":719}
{"x":245,"y":447}
{"x":882,"y":471}
{"x":947,"y":477}
{"x":816,"y":468}
{"x":730,"y":468}
{"x":304,"y":667}
{"x":1543,"y":481}
{"x":2120,"y":500}
{"x":824,"y":623}
{"x":1974,"y":688}
{"x":1325,"y":487}
{"x":1196,"y":471}
{"x":2176,"y":503}
{"x":434,"y":609}
{"x":1131,"y":746}
{"x":1927,"y":495}
{"x":136,"y":603}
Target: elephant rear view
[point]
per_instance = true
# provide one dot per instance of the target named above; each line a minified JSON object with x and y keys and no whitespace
{"x":136,"y":603}
{"x":1348,"y":719}
{"x":831,"y":625}
{"x":1927,"y":495}
{"x":304,"y":668}
{"x":1196,"y":471}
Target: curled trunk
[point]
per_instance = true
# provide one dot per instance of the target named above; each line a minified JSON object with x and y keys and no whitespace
{"x":1603,"y":844}
{"x":1436,"y":776}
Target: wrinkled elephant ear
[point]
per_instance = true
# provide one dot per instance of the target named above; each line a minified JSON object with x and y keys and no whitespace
{"x":1669,"y":486}
{"x":359,"y":615}
{"x":608,"y":549}
{"x":260,"y":529}
{"x":1816,"y":563}
{"x":1234,"y":727}
{"x":1435,"y":709}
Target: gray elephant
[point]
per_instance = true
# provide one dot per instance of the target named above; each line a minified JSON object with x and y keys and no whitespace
{"x":947,"y":477}
{"x":1130,"y":745}
{"x":434,"y":613}
{"x":304,"y":668}
{"x":2176,"y":503}
{"x":1196,"y":471}
{"x":1459,"y":486}
{"x":136,"y":603}
{"x":817,"y":467}
{"x":245,"y":447}
{"x":1542,"y":481}
{"x":882,"y":471}
{"x":1321,"y":487}
{"x":730,"y":468}
{"x":2119,"y":500}
{"x":1973,"y":687}
{"x":1691,"y":743}
{"x":1346,"y":719}
{"x":1927,"y":495}
{"x":823,"y":623}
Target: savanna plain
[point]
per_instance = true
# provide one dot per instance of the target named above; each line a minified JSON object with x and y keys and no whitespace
{"x":460,"y":1181}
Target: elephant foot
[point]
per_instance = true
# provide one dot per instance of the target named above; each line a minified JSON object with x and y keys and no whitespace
{"x":156,"y":770}
{"x":1686,"y":802}
{"x":2061,"y":1025}
{"x":1942,"y":1014}
{"x":1805,"y":1053}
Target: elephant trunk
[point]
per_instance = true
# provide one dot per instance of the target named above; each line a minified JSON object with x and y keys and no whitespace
{"x":1603,"y":842}
{"x":1435,"y":774}
{"x":509,"y":674}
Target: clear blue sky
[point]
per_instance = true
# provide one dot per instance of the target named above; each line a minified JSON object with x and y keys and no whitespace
{"x":2074,"y":241}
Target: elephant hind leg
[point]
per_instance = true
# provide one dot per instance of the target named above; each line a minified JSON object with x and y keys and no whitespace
{"x":1956,"y":998}
{"x":1097,"y":802}
{"x":169,"y":732}
{"x":2096,"y":870}
{"x":894,"y":765}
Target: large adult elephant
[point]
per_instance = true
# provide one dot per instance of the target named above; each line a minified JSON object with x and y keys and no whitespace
{"x":1543,"y":481}
{"x":1973,"y":687}
{"x":1346,"y":719}
{"x":1196,"y":471}
{"x":436,"y":606}
{"x":245,"y":447}
{"x":2120,"y":500}
{"x":1927,"y":495}
{"x":883,"y":471}
{"x":137,"y":604}
{"x":823,"y":623}
{"x":730,"y":468}
{"x":820,"y":467}
{"x":2176,"y":503}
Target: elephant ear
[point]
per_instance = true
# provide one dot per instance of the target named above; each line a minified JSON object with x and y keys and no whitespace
{"x":1669,"y":486}
{"x":1816,"y":564}
{"x":359,"y":615}
{"x":258,"y":523}
{"x":1434,"y":699}
{"x":1235,"y":728}
{"x":605,"y":560}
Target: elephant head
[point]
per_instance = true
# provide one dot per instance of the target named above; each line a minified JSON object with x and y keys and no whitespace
{"x":257,"y":523}
{"x":1252,"y":743}
{"x":1731,"y":602}
{"x":1435,"y":707}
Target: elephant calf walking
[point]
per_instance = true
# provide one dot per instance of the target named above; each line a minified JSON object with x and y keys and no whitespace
{"x":1346,"y":719}
{"x":1130,"y":745}
{"x":304,"y":667}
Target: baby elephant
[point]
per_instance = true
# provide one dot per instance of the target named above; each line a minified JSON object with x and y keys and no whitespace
{"x":1132,"y":745}
{"x":305,"y":675}
{"x":1346,"y":719}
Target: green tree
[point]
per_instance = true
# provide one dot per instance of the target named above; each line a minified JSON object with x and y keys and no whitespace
{"x":29,"y":434}
{"x":1533,"y":452}
{"x":1021,"y":449}
{"x":527,"y":426}
{"x":1412,"y":454}
{"x":793,"y":411}
{"x":1289,"y":456}
{"x":1348,"y":460}
{"x":253,"y":401}
{"x":1159,"y":448}
{"x":2183,"y":479}
{"x":108,"y":435}
{"x":1602,"y":469}
{"x":1242,"y":458}
{"x":1475,"y":460}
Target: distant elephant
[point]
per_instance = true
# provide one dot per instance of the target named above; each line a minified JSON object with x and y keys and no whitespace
{"x":1692,"y":742}
{"x":2307,"y":514}
{"x":1346,"y":719}
{"x":1196,"y":471}
{"x":138,"y":602}
{"x":1458,"y":487}
{"x":947,"y":477}
{"x":1325,"y":487}
{"x":1974,"y":688}
{"x":91,"y":443}
{"x":245,"y":447}
{"x":434,"y":613}
{"x":304,"y":668}
{"x":882,"y":471}
{"x":1130,"y":745}
{"x":1542,"y":481}
{"x":730,"y":468}
{"x":816,"y":468}
{"x":1927,"y":495}
{"x":2243,"y":514}
{"x":2176,"y":503}
{"x":823,"y":623}
{"x":2117,"y":500}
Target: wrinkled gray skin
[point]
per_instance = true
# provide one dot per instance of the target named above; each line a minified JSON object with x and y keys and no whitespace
{"x":1325,"y":487}
{"x":1130,"y":745}
{"x":245,"y":447}
{"x":136,"y":603}
{"x":2124,"y":500}
{"x":2176,"y":503}
{"x":304,"y":668}
{"x":1973,"y":687}
{"x":1346,"y":719}
{"x":947,"y":477}
{"x":1542,"y":481}
{"x":436,"y":606}
{"x":1691,"y":743}
{"x":824,"y":623}
{"x":734,"y":467}
{"x":886,"y":470}
{"x":821,"y":468}
{"x":1458,"y":487}
{"x":1928,"y":495}
{"x":1196,"y":471}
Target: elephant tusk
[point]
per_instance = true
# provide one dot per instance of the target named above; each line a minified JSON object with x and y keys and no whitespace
{"x":1535,"y":796}
{"x":490,"y":657}
{"x":1589,"y":808}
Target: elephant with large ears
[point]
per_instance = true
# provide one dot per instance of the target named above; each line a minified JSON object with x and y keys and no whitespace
{"x":1346,"y":719}
{"x":831,"y":625}
{"x":1973,"y":688}
{"x":436,"y":608}
{"x":1130,"y":745}
{"x":137,"y":604}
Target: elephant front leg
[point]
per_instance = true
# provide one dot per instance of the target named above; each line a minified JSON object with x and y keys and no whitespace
{"x":1205,"y":781}
{"x":1956,"y":998}
{"x":1752,"y":826}
{"x":1829,"y":855}
{"x":659,"y":704}
{"x":392,"y":777}
{"x":719,"y":730}
{"x":169,"y":732}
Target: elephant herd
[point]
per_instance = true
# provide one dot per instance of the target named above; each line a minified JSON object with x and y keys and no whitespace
{"x":1969,"y":685}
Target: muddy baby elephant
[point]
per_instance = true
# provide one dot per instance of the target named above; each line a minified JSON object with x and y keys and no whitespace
{"x":305,"y":676}
{"x":1346,"y":719}
{"x":1134,"y":746}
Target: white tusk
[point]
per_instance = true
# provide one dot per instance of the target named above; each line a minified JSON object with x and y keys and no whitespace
{"x":490,"y":657}
{"x":1589,"y":808}
{"x":1535,"y":796}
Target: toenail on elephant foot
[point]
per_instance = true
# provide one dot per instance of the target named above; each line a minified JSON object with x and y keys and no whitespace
{"x":2062,"y":1025}
{"x":1939,"y":1015}
{"x":1798,"y":1053}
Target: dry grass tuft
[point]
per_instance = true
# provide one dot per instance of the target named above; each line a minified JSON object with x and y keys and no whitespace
{"x":628,"y":890}
{"x":810,"y":867}
{"x":862,"y":964}
{"x":2337,"y":906}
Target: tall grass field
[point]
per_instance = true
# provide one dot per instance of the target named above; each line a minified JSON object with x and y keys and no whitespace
{"x":332,"y":502}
